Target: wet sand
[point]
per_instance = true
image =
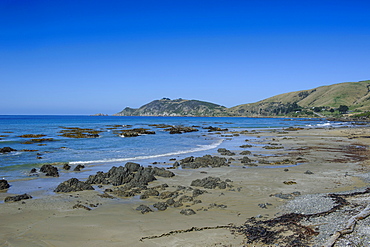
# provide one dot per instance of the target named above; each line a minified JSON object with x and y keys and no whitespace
{"x":334,"y":158}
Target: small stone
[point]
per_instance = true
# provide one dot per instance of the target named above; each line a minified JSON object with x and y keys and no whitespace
{"x":187,"y":211}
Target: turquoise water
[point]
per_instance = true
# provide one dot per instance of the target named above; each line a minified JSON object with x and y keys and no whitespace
{"x":111,"y":148}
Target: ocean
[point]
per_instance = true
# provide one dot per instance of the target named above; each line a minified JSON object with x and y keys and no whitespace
{"x":110,"y":148}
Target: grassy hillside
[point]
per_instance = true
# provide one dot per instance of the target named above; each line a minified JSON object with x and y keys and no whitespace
{"x":355,"y":95}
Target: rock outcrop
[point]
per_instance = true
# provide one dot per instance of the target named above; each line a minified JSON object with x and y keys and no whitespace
{"x":73,"y":185}
{"x":205,"y":161}
{"x":4,"y":184}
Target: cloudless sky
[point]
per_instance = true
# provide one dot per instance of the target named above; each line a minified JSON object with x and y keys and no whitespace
{"x":90,"y":56}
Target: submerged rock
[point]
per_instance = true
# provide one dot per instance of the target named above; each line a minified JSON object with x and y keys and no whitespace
{"x":7,"y":150}
{"x":49,"y":170}
{"x":180,"y":129}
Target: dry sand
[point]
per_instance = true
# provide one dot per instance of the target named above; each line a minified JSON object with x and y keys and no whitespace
{"x":334,"y":156}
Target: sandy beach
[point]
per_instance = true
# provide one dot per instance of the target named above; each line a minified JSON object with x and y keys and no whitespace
{"x":291,"y":165}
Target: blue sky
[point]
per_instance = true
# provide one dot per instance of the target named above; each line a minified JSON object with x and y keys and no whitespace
{"x":85,"y":57}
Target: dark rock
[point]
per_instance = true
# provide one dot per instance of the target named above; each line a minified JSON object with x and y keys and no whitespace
{"x":215,"y":205}
{"x":186,"y":199}
{"x":99,"y":178}
{"x":246,"y":152}
{"x":144,"y":209}
{"x":163,"y":172}
{"x":178,"y":204}
{"x":4,"y":184}
{"x":198,"y":192}
{"x":187,"y":211}
{"x":245,"y":159}
{"x":72,"y":185}
{"x":49,"y":170}
{"x":6,"y":150}
{"x":168,"y":194}
{"x":161,"y":206}
{"x":224,"y":151}
{"x":148,"y":193}
{"x":308,"y":172}
{"x":17,"y":198}
{"x":197,"y":201}
{"x":210,"y":183}
{"x":170,"y":201}
{"x":211,"y":129}
{"x":78,"y":168}
{"x":33,"y":170}
{"x":205,"y":161}
{"x":180,"y":129}
{"x":66,"y":167}
{"x":132,"y":167}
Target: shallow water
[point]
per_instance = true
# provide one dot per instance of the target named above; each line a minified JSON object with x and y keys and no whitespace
{"x":100,"y":153}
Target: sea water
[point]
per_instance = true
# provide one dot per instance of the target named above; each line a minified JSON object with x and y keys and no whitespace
{"x":110,"y":148}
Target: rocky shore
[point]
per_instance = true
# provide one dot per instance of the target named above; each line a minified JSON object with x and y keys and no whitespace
{"x":292,"y":187}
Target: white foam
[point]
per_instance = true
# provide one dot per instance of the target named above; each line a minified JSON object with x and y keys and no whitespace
{"x":198,"y":149}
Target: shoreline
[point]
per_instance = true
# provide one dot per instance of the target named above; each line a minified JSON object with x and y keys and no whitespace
{"x":51,"y":220}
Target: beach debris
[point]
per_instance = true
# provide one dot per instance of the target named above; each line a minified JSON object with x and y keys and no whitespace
{"x":4,"y":184}
{"x":73,"y":185}
{"x":192,"y":229}
{"x":49,"y":170}
{"x":187,"y":211}
{"x":79,"y":205}
{"x":308,"y":172}
{"x":144,"y":209}
{"x":17,"y":198}
{"x":224,"y":151}
{"x":205,"y":161}
{"x":350,"y":226}
{"x":286,"y":230}
{"x":210,"y":183}
{"x":7,"y":150}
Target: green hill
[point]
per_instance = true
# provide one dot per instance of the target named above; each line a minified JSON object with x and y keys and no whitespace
{"x":322,"y":101}
{"x":355,"y":95}
{"x":177,"y":107}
